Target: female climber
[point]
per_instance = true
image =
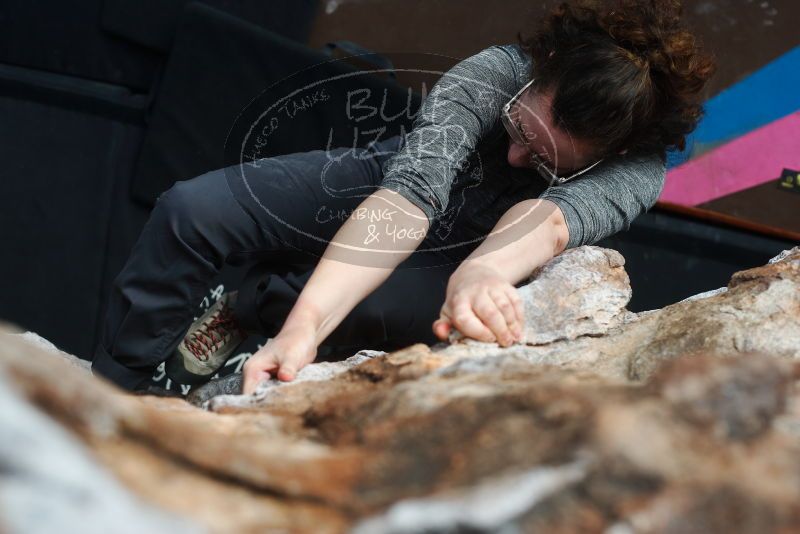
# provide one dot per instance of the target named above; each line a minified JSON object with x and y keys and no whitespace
{"x":517,"y":153}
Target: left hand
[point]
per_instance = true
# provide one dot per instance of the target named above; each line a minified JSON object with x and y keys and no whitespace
{"x":481,"y":304}
{"x":282,"y":357}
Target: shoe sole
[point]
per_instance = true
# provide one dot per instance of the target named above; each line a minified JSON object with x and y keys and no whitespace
{"x":176,"y":371}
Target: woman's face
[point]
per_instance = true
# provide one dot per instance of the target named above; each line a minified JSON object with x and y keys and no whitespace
{"x":562,"y":153}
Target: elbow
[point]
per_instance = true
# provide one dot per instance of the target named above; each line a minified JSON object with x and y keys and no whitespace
{"x":558,"y":230}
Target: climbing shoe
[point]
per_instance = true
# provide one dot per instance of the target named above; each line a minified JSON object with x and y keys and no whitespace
{"x":207,"y":345}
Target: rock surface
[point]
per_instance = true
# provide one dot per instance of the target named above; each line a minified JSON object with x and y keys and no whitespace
{"x":580,"y":292}
{"x":674,"y":420}
{"x":221,"y":389}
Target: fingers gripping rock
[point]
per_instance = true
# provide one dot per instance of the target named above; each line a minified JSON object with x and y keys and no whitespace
{"x":582,"y":291}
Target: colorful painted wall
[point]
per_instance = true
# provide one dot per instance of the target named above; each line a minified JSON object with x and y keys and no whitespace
{"x":744,"y":158}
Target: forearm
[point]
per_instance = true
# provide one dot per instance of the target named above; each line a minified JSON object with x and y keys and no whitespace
{"x":526,"y":236}
{"x":382,"y":232}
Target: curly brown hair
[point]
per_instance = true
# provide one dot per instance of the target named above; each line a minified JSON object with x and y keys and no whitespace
{"x":625,"y":74}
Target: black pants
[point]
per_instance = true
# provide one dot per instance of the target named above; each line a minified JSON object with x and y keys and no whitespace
{"x":281,"y":212}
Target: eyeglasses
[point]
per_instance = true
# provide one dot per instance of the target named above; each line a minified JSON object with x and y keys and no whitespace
{"x":519,"y":136}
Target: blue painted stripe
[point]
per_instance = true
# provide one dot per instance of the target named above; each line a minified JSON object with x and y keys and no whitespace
{"x":771,"y":92}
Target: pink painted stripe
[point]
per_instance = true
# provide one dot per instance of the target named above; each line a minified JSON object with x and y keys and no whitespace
{"x":750,"y":160}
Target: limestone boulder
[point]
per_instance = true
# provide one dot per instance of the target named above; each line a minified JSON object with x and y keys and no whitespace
{"x":673,"y":420}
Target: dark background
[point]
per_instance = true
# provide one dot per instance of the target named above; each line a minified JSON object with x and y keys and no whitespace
{"x":105,"y":103}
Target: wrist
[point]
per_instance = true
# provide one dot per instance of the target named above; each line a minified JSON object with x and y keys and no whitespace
{"x":304,"y":315}
{"x":479,"y":265}
{"x":308,"y":319}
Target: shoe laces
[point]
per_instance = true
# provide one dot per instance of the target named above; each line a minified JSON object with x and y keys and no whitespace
{"x":210,"y":336}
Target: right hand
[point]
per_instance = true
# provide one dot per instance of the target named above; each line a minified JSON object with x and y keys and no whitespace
{"x":282,"y":357}
{"x":482,"y":305}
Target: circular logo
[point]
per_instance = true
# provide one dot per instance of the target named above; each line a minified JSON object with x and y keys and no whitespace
{"x":376,"y":163}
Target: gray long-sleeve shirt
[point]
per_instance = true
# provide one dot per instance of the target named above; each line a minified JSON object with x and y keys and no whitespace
{"x":458,"y":144}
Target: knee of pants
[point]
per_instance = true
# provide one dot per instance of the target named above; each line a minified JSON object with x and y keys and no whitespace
{"x":198,"y":207}
{"x":186,"y":197}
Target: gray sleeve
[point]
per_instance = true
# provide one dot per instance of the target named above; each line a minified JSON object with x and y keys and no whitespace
{"x":461,"y":108}
{"x":609,"y":197}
